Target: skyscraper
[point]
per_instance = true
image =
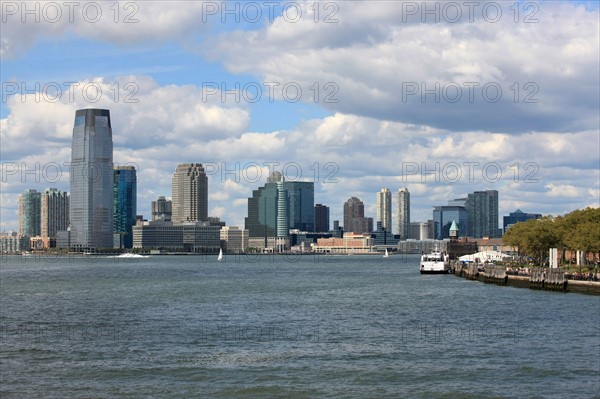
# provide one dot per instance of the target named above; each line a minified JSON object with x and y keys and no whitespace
{"x":55,"y":212}
{"x":162,"y":209}
{"x":321,"y":218}
{"x":91,"y":169}
{"x":403,"y":213}
{"x":354,"y":217}
{"x":30,"y":213}
{"x":125,"y":205}
{"x":444,"y":216}
{"x":190,"y":193}
{"x":301,"y":207}
{"x":482,"y":209}
{"x":384,"y":208}
{"x":283,"y":226}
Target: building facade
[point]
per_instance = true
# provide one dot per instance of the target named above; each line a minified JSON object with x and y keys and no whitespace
{"x":233,"y":239}
{"x":162,"y":209}
{"x":403,"y":213}
{"x":190,"y":193}
{"x":518,"y":216}
{"x":482,"y":209}
{"x":54,"y":212}
{"x":194,"y":237}
{"x":354,"y":217}
{"x":30,"y":213}
{"x":321,"y":218}
{"x":125,"y":205}
{"x":443,"y":216}
{"x":384,"y":208}
{"x":91,"y":202}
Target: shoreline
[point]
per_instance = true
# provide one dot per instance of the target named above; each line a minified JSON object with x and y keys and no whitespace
{"x":573,"y":286}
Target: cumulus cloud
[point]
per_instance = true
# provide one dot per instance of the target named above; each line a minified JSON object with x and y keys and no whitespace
{"x":484,"y":74}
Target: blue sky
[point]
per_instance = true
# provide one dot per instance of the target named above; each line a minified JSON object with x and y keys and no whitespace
{"x":393,"y":81}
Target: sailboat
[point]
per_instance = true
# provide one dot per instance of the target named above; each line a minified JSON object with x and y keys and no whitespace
{"x":220,"y":258}
{"x":386,"y":254}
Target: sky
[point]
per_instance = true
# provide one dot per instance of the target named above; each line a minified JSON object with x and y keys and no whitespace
{"x":444,"y":98}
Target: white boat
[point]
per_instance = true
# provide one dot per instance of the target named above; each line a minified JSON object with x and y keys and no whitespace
{"x":386,"y":254}
{"x":220,"y":258}
{"x":434,"y":263}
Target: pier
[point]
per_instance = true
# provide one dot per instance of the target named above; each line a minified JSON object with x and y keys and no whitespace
{"x":539,"y":278}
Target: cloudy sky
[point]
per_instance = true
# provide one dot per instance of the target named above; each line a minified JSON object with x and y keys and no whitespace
{"x":445,"y":99}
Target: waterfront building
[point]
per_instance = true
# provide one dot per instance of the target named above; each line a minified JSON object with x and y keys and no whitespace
{"x":382,"y":236}
{"x":125,"y":205}
{"x":190,"y":193}
{"x":403,"y":214}
{"x":354,"y":217}
{"x":321,"y":218}
{"x":349,"y":244}
{"x":194,"y":237}
{"x":518,"y":216}
{"x":162,"y":209}
{"x":234,"y":239}
{"x":30,"y":213}
{"x":91,"y":169}
{"x":384,"y":208}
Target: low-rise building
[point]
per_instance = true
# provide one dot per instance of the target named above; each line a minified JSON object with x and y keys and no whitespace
{"x":234,"y":239}
{"x":349,"y":244}
{"x":195,"y":237}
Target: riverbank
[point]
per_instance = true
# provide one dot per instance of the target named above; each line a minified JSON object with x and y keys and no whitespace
{"x":496,"y":275}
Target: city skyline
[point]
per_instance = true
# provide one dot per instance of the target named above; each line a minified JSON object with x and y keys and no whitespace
{"x":538,"y":144}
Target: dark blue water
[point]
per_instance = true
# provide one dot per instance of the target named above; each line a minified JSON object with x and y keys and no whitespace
{"x":338,"y":326}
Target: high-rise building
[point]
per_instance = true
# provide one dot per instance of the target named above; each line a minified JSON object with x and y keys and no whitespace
{"x":354,"y":217}
{"x":518,"y":216}
{"x":273,"y":209}
{"x":321,"y":218}
{"x":301,"y":207}
{"x":91,"y":169}
{"x":190,"y":193}
{"x":482,"y":209}
{"x":403,"y":213}
{"x":55,"y":212}
{"x":125,"y":205}
{"x":384,"y":208}
{"x":444,"y":216}
{"x":162,"y":209}
{"x":30,"y":213}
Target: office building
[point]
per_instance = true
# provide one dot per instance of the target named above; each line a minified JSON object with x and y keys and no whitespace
{"x":30,"y":213}
{"x":233,"y":239}
{"x":301,"y":205}
{"x":162,"y":209}
{"x":482,"y":209}
{"x":194,"y":237}
{"x":403,"y":214}
{"x":91,"y":202}
{"x":354,"y":217}
{"x":54,"y":212}
{"x":444,"y":216}
{"x":190,"y":193}
{"x":384,"y":208}
{"x":125,"y":205}
{"x":321,"y":218}
{"x":518,"y":216}
{"x":419,"y":231}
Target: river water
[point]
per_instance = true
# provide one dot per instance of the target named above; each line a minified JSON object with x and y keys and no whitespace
{"x":285,"y":326}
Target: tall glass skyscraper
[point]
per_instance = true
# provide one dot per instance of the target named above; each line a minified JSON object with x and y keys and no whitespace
{"x":91,"y":204}
{"x":30,"y":213}
{"x":403,"y":213}
{"x":190,"y":193}
{"x":321,"y":218}
{"x":125,"y":205}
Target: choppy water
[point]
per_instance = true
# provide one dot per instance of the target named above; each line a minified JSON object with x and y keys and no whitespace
{"x":311,"y":326}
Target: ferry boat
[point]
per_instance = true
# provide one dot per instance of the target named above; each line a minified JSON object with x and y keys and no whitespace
{"x":434,"y":263}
